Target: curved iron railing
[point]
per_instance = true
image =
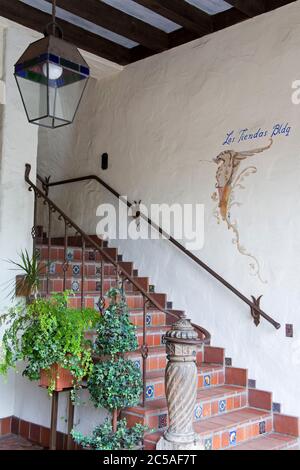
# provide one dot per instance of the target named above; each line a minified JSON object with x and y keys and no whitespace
{"x":254,"y":305}
{"x":122,"y":275}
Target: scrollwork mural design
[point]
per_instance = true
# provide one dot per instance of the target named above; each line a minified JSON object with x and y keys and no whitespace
{"x":230,"y":178}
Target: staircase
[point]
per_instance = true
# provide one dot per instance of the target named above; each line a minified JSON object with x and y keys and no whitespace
{"x":229,"y":415}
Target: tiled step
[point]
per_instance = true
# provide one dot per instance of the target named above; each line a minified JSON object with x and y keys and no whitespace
{"x":222,"y":432}
{"x":134,"y":300}
{"x":210,"y":375}
{"x":156,"y":360}
{"x":73,"y":241}
{"x":272,"y":441}
{"x":154,"y":335}
{"x":210,"y":401}
{"x":219,"y":401}
{"x":90,"y":284}
{"x":285,"y":424}
{"x":57,"y":253}
{"x":153,"y":317}
{"x":91,"y":268}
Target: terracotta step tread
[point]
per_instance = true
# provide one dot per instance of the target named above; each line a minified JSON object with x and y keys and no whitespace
{"x":70,"y":245}
{"x":77,"y":277}
{"x":209,"y":367}
{"x":272,"y":441}
{"x":218,"y":391}
{"x":156,"y":374}
{"x":152,"y":350}
{"x":230,"y":420}
{"x":153,"y":328}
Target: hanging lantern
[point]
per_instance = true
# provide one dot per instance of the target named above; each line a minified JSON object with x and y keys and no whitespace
{"x":51,"y":77}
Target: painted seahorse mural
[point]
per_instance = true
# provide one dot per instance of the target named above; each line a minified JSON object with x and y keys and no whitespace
{"x":229,"y":179}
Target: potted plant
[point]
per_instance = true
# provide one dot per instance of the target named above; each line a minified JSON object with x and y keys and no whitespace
{"x":50,"y":337}
{"x":27,"y":283}
{"x":115,"y":382}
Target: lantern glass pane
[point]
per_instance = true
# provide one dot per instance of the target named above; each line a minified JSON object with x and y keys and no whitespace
{"x":64,"y":99}
{"x":34,"y":90}
{"x":51,"y":90}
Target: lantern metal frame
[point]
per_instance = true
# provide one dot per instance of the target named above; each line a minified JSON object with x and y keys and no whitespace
{"x":30,"y":66}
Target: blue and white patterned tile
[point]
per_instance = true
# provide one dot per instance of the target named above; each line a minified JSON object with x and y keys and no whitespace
{"x":198,"y":412}
{"x":52,"y":268}
{"x":76,"y":269}
{"x":75,"y":286}
{"x":207,"y":380}
{"x":232,"y":437}
{"x":222,"y":406}
{"x":148,"y":319}
{"x":150,"y":391}
{"x":137,"y":364}
{"x":262,"y":427}
{"x":208,"y":444}
{"x":70,"y":254}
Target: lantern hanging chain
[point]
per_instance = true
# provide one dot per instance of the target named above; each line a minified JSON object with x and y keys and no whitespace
{"x":53,"y":16}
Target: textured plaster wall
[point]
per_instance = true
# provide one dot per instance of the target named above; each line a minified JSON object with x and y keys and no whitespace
{"x":18,"y":146}
{"x":157,"y":120}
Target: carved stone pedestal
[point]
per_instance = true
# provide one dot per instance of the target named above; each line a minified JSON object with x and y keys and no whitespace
{"x":181,"y":387}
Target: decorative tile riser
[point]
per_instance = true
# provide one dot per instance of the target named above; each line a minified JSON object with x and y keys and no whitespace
{"x":152,"y":338}
{"x":91,"y":299}
{"x":90,"y":285}
{"x":220,"y":440}
{"x":211,"y":379}
{"x":74,"y":254}
{"x":208,"y":408}
{"x":244,"y":432}
{"x":204,"y":408}
{"x":91,"y":268}
{"x":217,"y":376}
{"x":213,"y":407}
{"x":154,"y":362}
{"x":153,"y":318}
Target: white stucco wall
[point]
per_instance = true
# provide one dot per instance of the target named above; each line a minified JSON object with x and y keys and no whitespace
{"x":157,"y":120}
{"x":19,"y":146}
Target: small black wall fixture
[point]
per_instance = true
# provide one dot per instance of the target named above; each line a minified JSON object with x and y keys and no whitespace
{"x":104,"y":161}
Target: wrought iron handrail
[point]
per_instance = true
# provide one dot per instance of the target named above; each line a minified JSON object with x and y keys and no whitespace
{"x":148,"y":299}
{"x":254,"y":305}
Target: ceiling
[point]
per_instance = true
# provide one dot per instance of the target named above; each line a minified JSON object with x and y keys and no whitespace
{"x":124,"y":31}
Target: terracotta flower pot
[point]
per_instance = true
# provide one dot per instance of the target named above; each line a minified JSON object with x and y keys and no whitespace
{"x":62,"y":377}
{"x":22,"y":289}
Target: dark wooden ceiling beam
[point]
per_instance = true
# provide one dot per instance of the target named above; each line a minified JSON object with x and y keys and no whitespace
{"x":37,"y":20}
{"x":249,"y":7}
{"x":228,"y":18}
{"x":115,"y":20}
{"x":272,"y":4}
{"x":182,"y":13}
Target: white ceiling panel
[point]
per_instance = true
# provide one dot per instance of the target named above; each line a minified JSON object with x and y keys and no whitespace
{"x":77,"y":21}
{"x":144,"y":14}
{"x":210,"y":6}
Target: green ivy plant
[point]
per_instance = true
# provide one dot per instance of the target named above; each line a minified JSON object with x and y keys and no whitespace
{"x":48,"y":332}
{"x":115,"y":333}
{"x":115,"y":382}
{"x":104,"y":438}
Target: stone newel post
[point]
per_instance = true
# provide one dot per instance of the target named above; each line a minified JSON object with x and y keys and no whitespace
{"x":181,"y":387}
